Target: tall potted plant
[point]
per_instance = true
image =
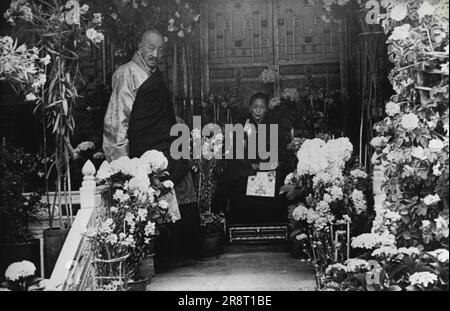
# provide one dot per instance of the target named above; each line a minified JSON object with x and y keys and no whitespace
{"x":60,"y":30}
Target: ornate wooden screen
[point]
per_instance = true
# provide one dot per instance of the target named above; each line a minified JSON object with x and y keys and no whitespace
{"x":243,"y":37}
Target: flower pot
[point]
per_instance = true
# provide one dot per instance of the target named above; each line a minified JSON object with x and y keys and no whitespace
{"x":137,"y":286}
{"x":12,"y":252}
{"x":211,"y":244}
{"x":147,"y":268}
{"x":53,"y":242}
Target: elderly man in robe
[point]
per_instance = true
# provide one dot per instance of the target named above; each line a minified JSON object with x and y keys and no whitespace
{"x":139,"y":117}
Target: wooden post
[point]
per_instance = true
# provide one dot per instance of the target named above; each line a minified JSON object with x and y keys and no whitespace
{"x":88,"y":187}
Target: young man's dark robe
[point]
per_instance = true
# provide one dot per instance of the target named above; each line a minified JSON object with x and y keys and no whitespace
{"x":151,"y":119}
{"x":245,"y":209}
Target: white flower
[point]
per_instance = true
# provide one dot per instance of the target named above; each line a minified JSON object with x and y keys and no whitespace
{"x":171,"y":28}
{"x":301,"y":236}
{"x":425,"y":9}
{"x":84,"y":9}
{"x":357,"y":173}
{"x":399,"y":12}
{"x":114,"y":16}
{"x":409,"y":251}
{"x":142,"y":214}
{"x":300,"y":212}
{"x":431,"y":199}
{"x":437,"y":169}
{"x":94,"y":35}
{"x":140,"y":183}
{"x":387,"y":251}
{"x":171,"y":21}
{"x":423,"y":278}
{"x":22,"y":269}
{"x":121,"y":196}
{"x":150,"y":228}
{"x":158,"y":162}
{"x":410,"y":121}
{"x":163,"y":204}
{"x":372,"y":240}
{"x":336,"y":193}
{"x":419,"y":153}
{"x":111,"y":239}
{"x":168,"y":184}
{"x":30,"y":97}
{"x":392,"y":109}
{"x":441,"y":254}
{"x":356,"y":264}
{"x":180,"y":34}
{"x":177,"y":15}
{"x":46,"y":60}
{"x":435,"y":145}
{"x":288,"y":179}
{"x":97,"y":18}
{"x":400,"y":33}
{"x":379,"y":142}
{"x":358,"y":200}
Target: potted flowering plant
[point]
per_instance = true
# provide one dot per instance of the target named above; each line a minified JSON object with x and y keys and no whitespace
{"x":212,"y":231}
{"x":384,"y":266}
{"x":20,"y":276}
{"x":143,"y":202}
{"x":329,"y":197}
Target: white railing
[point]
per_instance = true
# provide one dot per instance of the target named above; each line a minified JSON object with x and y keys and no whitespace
{"x":73,"y":270}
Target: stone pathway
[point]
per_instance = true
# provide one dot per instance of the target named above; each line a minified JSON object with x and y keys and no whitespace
{"x":244,"y":267}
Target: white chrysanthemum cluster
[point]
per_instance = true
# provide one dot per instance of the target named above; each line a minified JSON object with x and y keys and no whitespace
{"x":424,"y":278}
{"x":18,"y":270}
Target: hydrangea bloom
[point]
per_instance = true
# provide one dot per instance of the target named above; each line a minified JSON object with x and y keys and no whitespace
{"x":387,"y":251}
{"x":356,"y":264}
{"x":441,"y":254}
{"x":392,"y":109}
{"x":373,"y":240}
{"x":410,"y":121}
{"x":423,"y":278}
{"x":300,"y":212}
{"x":431,"y":199}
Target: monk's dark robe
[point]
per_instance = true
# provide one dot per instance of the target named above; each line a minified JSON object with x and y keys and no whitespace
{"x":151,"y":119}
{"x":245,"y":209}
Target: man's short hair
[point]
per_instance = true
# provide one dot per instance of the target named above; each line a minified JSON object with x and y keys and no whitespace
{"x":259,"y":95}
{"x":151,"y":31}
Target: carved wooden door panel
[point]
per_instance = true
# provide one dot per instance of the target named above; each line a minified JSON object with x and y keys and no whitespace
{"x":305,"y":43}
{"x":237,"y":40}
{"x":244,"y":37}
